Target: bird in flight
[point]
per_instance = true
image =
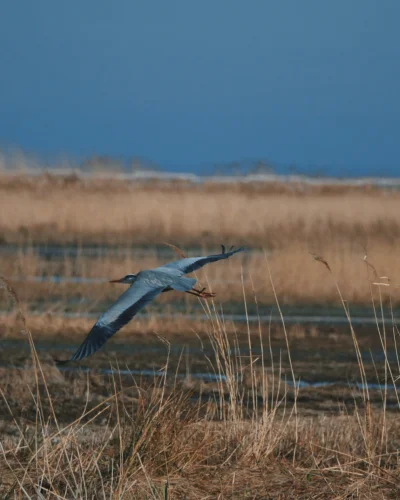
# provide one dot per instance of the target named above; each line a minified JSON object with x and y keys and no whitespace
{"x":144,"y":287}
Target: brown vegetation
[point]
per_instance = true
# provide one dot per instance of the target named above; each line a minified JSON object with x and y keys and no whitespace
{"x":298,"y":278}
{"x":48,"y":209}
{"x":150,"y":442}
{"x":289,"y":221}
{"x":136,"y":440}
{"x":249,"y":433}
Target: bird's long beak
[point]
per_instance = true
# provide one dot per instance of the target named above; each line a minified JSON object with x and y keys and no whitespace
{"x":116,"y":281}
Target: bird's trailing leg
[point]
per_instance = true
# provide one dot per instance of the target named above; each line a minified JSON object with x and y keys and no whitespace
{"x":201,"y":293}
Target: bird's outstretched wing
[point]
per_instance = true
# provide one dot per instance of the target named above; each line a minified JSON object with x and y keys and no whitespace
{"x":191,"y":264}
{"x":120,"y":313}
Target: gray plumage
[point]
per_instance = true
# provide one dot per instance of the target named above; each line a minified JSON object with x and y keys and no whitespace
{"x":144,"y":287}
{"x":191,"y":264}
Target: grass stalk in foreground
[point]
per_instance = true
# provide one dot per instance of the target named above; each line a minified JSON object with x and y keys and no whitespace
{"x":152,"y":441}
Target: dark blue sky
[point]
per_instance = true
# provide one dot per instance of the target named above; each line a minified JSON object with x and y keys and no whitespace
{"x":185,"y":84}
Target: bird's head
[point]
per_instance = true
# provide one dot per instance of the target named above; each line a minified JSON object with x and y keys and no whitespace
{"x":126,"y":280}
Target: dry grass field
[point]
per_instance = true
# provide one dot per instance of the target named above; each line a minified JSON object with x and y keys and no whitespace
{"x":254,"y":429}
{"x":298,"y":278}
{"x":288,"y":221}
{"x":63,"y":210}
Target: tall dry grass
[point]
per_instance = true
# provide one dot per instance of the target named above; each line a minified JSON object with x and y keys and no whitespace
{"x":153,"y":441}
{"x":297,"y":276}
{"x":46,"y":209}
{"x":289,"y":220}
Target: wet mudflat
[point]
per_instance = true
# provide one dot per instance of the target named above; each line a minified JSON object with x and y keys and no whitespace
{"x":325,"y":364}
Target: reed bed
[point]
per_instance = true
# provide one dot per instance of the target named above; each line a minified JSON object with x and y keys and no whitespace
{"x":69,"y":210}
{"x":297,"y":276}
{"x":289,"y":221}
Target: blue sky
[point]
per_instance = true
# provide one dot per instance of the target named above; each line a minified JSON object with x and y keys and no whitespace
{"x":188,"y":84}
